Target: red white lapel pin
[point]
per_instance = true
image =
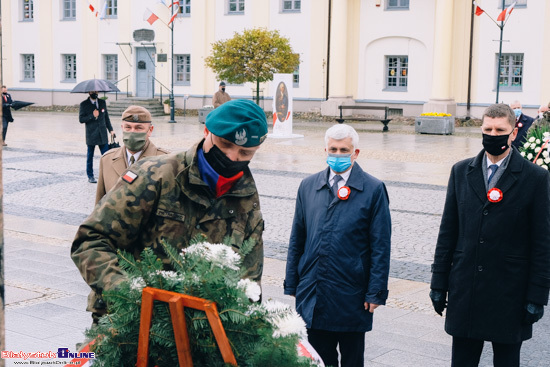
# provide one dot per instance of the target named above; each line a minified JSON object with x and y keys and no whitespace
{"x":343,"y":193}
{"x":494,"y":195}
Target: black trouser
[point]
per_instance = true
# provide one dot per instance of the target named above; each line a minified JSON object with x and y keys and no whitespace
{"x":467,"y":352}
{"x":5,"y":124}
{"x":352,"y":347}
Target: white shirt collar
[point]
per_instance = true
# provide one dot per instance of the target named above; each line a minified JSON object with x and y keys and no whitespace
{"x":344,"y":179}
{"x":128,"y":155}
{"x":489,"y":163}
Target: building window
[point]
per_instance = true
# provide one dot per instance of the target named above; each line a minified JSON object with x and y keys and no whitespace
{"x":511,"y":72}
{"x":27,"y":10}
{"x":28,"y":68}
{"x":182,"y":69}
{"x":397,"y":70}
{"x":507,"y":3}
{"x":111,"y":9}
{"x":236,"y":6}
{"x":291,"y":5}
{"x":69,"y":68}
{"x":184,"y":9}
{"x":397,"y":4}
{"x":69,"y":10}
{"x":296,"y":77}
{"x":111,"y":67}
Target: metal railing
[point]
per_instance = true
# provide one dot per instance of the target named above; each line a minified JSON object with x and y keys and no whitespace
{"x":161,"y":85}
{"x":127,"y":90}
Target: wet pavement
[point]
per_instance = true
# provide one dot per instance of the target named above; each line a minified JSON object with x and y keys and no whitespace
{"x":46,"y":197}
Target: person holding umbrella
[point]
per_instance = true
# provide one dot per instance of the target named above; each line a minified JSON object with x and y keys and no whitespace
{"x":6,"y":113}
{"x":93,"y":113}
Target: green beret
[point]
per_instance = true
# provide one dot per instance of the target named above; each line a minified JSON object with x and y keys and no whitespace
{"x":240,"y":121}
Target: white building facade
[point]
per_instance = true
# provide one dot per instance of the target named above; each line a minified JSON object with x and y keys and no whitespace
{"x":411,"y":55}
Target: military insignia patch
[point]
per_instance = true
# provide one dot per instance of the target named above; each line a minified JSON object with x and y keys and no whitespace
{"x":129,"y":176}
{"x":240,"y":137}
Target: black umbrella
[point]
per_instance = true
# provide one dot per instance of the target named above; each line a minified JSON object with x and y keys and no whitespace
{"x":97,"y":85}
{"x":16,"y":105}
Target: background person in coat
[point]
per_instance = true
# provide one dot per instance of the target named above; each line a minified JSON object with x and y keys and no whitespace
{"x":6,"y":113}
{"x":522,"y":122}
{"x":137,"y":127}
{"x":93,"y":113}
{"x":220,"y":97}
{"x":492,"y":256}
{"x":339,"y":251}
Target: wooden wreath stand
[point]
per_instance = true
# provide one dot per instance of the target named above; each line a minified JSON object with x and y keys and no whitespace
{"x":177,"y":302}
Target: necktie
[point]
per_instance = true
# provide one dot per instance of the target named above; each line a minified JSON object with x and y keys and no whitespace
{"x":132,"y":160}
{"x":494,"y":169}
{"x":334,"y":187}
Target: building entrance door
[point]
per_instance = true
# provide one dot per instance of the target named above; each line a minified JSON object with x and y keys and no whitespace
{"x":145,"y":71}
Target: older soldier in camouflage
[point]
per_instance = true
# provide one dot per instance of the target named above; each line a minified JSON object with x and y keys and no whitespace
{"x":207,"y":191}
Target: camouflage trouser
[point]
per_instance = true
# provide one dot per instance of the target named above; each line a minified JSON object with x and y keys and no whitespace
{"x":96,"y":306}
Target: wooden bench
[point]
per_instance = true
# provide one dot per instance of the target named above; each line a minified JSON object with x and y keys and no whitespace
{"x":385,"y":120}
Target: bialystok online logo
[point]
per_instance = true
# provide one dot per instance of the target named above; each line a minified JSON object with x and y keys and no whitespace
{"x":61,"y":353}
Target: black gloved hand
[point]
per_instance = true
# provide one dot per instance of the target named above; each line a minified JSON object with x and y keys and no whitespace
{"x":534,"y":313}
{"x":439,"y":300}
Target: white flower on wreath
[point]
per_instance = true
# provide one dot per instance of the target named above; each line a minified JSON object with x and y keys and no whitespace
{"x":289,"y":324}
{"x":546,"y":133}
{"x":526,"y":145}
{"x":545,"y":166}
{"x":252,"y":289}
{"x":537,"y":141}
{"x":547,"y":160}
{"x":522,"y":154}
{"x":168,"y":275}
{"x":219,"y":254}
{"x":138,"y":284}
{"x":540,"y":161}
{"x":531,"y":139}
{"x":533,"y":145}
{"x":545,"y":153}
{"x":530,"y":156}
{"x":537,"y":149}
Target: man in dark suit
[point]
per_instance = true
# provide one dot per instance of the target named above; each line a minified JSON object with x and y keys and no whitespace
{"x":93,"y":113}
{"x":523,"y":123}
{"x":6,"y":113}
{"x":492,"y":258}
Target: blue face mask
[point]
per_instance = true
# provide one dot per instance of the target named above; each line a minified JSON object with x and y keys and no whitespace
{"x":517,"y":112}
{"x":339,"y":162}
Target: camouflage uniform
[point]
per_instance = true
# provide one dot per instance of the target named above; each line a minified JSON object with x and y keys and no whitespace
{"x":167,"y":201}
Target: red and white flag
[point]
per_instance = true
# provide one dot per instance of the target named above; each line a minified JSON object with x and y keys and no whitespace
{"x":92,"y":9}
{"x":176,"y":10}
{"x":479,"y":11}
{"x":149,"y":16}
{"x":506,"y":12}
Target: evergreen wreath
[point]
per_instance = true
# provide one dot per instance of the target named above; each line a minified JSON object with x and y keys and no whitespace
{"x":259,"y":334}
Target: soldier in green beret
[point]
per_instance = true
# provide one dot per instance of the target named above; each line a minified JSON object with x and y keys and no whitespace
{"x":207,"y":191}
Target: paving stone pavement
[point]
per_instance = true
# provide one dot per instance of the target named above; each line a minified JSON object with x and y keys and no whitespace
{"x":46,"y":197}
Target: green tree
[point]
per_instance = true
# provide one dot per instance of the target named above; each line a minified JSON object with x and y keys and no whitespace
{"x":252,"y":56}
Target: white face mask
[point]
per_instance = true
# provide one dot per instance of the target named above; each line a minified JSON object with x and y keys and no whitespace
{"x":540,"y":115}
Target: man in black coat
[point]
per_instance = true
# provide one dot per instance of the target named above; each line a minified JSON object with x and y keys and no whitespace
{"x":93,"y":113}
{"x":492,"y":258}
{"x":523,"y":123}
{"x":6,"y":113}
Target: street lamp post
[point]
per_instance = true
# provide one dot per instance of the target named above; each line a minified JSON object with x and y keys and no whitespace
{"x":172,"y":110}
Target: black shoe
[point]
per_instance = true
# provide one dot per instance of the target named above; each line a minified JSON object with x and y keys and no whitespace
{"x":91,"y":180}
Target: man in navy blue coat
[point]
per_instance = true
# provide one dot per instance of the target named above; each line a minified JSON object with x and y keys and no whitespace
{"x":492,"y":259}
{"x":523,"y":123}
{"x":339,"y":251}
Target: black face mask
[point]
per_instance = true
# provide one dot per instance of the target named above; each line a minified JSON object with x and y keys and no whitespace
{"x":93,"y":95}
{"x":495,"y":144}
{"x":223,"y":165}
{"x":223,"y":89}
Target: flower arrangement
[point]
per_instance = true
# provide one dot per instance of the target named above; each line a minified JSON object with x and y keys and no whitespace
{"x":436,"y":114}
{"x":535,"y":148}
{"x":260,"y":334}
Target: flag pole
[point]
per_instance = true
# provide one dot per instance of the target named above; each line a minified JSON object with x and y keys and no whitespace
{"x":501,"y":26}
{"x":172,"y":120}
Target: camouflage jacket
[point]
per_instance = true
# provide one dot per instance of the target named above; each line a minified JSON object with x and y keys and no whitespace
{"x":166,"y":201}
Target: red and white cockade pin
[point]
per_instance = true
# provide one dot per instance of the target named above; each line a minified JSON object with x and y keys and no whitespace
{"x":343,"y":193}
{"x":520,"y":125}
{"x":494,"y":195}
